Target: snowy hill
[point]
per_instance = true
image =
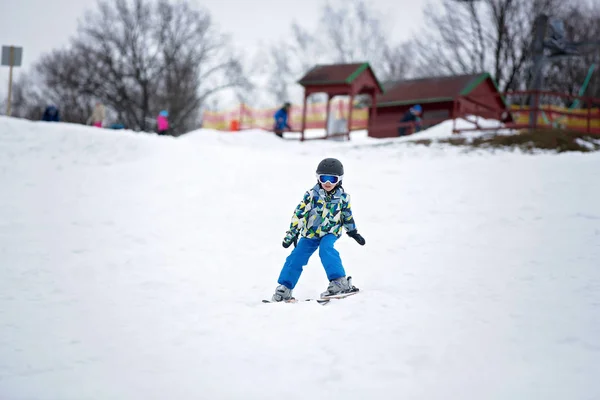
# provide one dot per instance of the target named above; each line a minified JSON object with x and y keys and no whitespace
{"x":133,"y":266}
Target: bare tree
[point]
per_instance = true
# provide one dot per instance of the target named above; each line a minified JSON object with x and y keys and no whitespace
{"x":396,"y":62}
{"x":279,"y":82}
{"x":246,"y":89}
{"x":477,"y":36}
{"x":26,"y":101}
{"x":349,"y":42}
{"x":348,"y":32}
{"x":139,"y":57}
{"x":287,"y":60}
{"x":62,"y":76}
{"x":199,"y":62}
{"x":568,"y":75}
{"x":353,"y":32}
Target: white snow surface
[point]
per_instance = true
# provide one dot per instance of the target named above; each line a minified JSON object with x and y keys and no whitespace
{"x":133,"y":266}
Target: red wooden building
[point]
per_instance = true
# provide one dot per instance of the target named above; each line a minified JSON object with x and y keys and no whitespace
{"x":341,"y":80}
{"x":442,"y":98}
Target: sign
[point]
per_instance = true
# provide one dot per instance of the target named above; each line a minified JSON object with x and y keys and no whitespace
{"x":17,"y":56}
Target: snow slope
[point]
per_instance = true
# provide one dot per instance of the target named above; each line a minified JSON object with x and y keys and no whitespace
{"x":132,"y":267}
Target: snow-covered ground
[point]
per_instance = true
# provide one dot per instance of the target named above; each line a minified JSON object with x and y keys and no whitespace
{"x":133,"y":266}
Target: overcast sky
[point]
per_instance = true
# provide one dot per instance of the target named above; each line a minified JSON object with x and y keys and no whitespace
{"x":42,"y":25}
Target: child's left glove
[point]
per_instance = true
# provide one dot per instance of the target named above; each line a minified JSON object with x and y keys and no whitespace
{"x":289,"y":239}
{"x":356,"y":236}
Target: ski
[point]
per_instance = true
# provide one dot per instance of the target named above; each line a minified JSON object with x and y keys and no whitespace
{"x":325,"y":300}
{"x":321,"y":300}
{"x":292,"y":300}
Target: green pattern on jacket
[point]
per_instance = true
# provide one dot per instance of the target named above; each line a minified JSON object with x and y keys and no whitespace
{"x":321,"y":213}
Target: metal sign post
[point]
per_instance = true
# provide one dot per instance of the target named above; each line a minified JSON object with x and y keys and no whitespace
{"x":11,"y":57}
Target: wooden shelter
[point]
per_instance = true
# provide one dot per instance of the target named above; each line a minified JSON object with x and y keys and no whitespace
{"x":442,"y":98}
{"x":341,"y":80}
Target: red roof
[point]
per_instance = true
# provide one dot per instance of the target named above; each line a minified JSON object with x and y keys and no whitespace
{"x":429,"y":90}
{"x":336,"y":74}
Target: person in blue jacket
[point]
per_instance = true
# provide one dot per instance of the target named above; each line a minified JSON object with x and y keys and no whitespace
{"x":51,"y":114}
{"x":281,"y":120}
{"x":412,"y":115}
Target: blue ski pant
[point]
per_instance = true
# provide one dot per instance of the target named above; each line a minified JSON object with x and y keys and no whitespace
{"x":330,"y":258}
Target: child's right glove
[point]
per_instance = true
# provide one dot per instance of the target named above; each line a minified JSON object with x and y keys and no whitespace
{"x":289,"y":239}
{"x":356,"y":236}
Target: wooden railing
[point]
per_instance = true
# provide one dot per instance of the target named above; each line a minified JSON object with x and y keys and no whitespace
{"x":530,"y":110}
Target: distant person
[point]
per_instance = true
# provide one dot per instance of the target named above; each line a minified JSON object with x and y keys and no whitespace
{"x":98,"y":116}
{"x":281,"y":120}
{"x":412,"y":115}
{"x":51,"y":114}
{"x":162,"y":123}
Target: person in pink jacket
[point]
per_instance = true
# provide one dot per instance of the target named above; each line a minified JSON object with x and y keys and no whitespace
{"x":98,"y":116}
{"x":162,"y":123}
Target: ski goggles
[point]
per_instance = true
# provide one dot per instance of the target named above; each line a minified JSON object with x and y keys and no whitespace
{"x":329,"y":178}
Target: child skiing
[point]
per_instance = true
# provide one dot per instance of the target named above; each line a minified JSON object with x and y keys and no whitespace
{"x":319,"y":219}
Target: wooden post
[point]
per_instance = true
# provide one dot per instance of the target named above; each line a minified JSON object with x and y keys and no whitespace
{"x":589,"y":116}
{"x":10,"y":74}
{"x":303,"y":117}
{"x":351,"y":105}
{"x":454,"y":114}
{"x":327,"y":114}
{"x":373,"y":119}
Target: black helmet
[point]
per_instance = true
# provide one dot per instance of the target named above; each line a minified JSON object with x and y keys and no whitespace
{"x":330,"y":166}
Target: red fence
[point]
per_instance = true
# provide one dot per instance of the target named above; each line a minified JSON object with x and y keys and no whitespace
{"x":246,"y":117}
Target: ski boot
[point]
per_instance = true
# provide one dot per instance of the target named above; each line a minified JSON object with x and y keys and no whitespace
{"x":283,"y":293}
{"x":339,"y":286}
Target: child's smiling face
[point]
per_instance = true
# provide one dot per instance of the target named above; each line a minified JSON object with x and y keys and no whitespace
{"x":328,"y":186}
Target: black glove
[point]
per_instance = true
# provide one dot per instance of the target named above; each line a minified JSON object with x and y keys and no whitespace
{"x":289,"y":239}
{"x":356,"y":236}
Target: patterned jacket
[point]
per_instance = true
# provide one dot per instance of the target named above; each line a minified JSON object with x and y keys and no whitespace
{"x":320,"y":213}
